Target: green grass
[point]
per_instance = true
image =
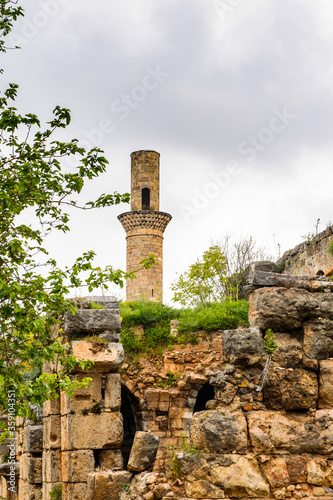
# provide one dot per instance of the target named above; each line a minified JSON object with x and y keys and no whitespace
{"x":155,"y":318}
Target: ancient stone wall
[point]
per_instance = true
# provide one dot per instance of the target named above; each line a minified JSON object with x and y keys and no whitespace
{"x":309,"y":257}
{"x":220,"y":419}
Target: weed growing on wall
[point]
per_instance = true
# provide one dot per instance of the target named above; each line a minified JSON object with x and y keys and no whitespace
{"x":330,"y":248}
{"x":270,"y":342}
{"x":155,"y":320}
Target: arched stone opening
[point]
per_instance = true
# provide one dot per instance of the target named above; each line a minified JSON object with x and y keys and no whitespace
{"x":146,"y":199}
{"x":205,"y":394}
{"x":131,"y":422}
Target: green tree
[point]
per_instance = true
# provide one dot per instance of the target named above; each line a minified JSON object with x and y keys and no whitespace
{"x":33,"y":289}
{"x":205,"y":280}
{"x":220,"y":274}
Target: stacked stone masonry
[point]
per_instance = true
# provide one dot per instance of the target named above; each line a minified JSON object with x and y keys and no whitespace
{"x":310,"y":257}
{"x":145,"y":173}
{"x":144,"y":227}
{"x":239,"y":442}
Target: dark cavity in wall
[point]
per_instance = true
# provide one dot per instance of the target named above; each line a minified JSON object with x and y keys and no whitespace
{"x":205,"y":394}
{"x":146,"y":199}
{"x":131,"y":422}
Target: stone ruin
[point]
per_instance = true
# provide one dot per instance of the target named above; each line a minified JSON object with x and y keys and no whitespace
{"x":310,"y":257}
{"x":220,"y":419}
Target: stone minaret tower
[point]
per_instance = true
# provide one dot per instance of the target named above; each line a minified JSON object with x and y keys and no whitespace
{"x":145,"y":226}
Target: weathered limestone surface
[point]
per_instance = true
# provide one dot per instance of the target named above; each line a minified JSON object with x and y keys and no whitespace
{"x":242,"y":478}
{"x":76,"y":465}
{"x":148,"y":486}
{"x":52,"y":466}
{"x":113,"y":391}
{"x":220,"y":475}
{"x":279,"y":432}
{"x":285,"y":310}
{"x":74,"y":491}
{"x":110,"y":459}
{"x":275,"y":470}
{"x":262,"y":435}
{"x":288,"y":353}
{"x":219,"y":431}
{"x":143,"y":452}
{"x":107,"y":485}
{"x":52,"y":433}
{"x":318,"y":337}
{"x":31,"y":469}
{"x":326,"y":384}
{"x":83,"y":398}
{"x":106,"y":357}
{"x":33,"y":439}
{"x":29,"y":491}
{"x":260,"y":279}
{"x":309,"y":257}
{"x":92,"y":431}
{"x":290,"y":389}
{"x":92,"y":321}
{"x":244,"y":346}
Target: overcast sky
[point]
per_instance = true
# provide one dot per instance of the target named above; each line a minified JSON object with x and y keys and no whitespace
{"x":236,"y":96}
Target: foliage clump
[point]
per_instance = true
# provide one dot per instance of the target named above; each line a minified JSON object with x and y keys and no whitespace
{"x":155,"y":319}
{"x":219,"y":275}
{"x":270,"y":342}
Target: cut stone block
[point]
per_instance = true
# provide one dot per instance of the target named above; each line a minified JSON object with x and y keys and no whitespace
{"x":143,"y":452}
{"x":108,"y":302}
{"x":242,"y":478}
{"x":52,"y":466}
{"x":83,"y":398}
{"x":110,"y":459}
{"x":113,"y":391}
{"x":76,"y":465}
{"x":244,"y":346}
{"x":318,"y":339}
{"x":288,"y":389}
{"x":29,"y":491}
{"x":92,"y":431}
{"x":297,"y":468}
{"x":91,"y":321}
{"x":219,"y":431}
{"x":31,"y":469}
{"x":288,"y":353}
{"x":283,"y":309}
{"x":52,"y":432}
{"x":33,"y":439}
{"x":74,"y":491}
{"x":277,"y":432}
{"x":326,"y":384}
{"x":102,"y":485}
{"x":7,"y":467}
{"x":316,"y":469}
{"x":52,"y":487}
{"x":202,"y":488}
{"x":275,"y":470}
{"x":52,"y":407}
{"x":106,"y":357}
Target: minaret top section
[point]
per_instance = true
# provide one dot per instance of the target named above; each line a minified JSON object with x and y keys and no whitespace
{"x":145,"y":180}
